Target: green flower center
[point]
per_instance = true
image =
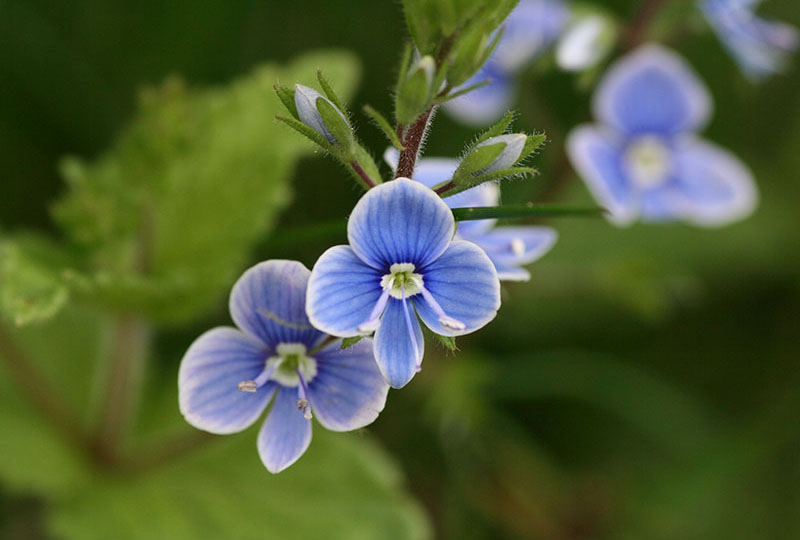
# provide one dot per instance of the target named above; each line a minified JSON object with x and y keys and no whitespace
{"x":291,"y":358}
{"x":401,"y":280}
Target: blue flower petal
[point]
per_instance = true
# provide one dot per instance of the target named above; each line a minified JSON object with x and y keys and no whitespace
{"x":268,"y":303}
{"x":652,"y":90}
{"x":529,"y":29}
{"x":596,"y":154}
{"x":394,"y":349}
{"x":463,"y":281}
{"x":348,"y":391}
{"x":483,"y":105}
{"x":285,"y":434}
{"x":511,"y":272}
{"x":400,"y":221}
{"x":208,"y":381}
{"x":341,"y":292}
{"x":760,"y":46}
{"x":433,"y":171}
{"x":515,"y":246}
{"x":716,"y":187}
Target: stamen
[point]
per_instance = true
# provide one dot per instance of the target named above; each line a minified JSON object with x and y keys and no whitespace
{"x":258,"y":382}
{"x":411,"y":332}
{"x":372,"y":323}
{"x":302,"y":397}
{"x":446,"y":320}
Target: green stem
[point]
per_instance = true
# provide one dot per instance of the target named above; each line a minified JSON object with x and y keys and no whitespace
{"x":131,"y":341}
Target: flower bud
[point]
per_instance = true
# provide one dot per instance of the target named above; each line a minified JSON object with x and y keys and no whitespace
{"x":511,"y":153}
{"x":415,"y":92}
{"x":585,"y":43}
{"x":318,"y":116}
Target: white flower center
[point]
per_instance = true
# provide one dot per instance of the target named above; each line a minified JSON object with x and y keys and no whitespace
{"x":291,"y":358}
{"x":401,"y":280}
{"x":648,"y":162}
{"x":518,"y":247}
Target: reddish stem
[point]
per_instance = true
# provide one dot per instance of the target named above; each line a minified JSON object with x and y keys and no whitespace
{"x":362,"y":174}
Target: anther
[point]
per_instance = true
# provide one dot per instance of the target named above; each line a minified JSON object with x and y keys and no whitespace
{"x":247,"y":386}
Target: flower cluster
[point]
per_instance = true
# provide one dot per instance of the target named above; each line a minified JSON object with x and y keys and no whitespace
{"x":330,"y":342}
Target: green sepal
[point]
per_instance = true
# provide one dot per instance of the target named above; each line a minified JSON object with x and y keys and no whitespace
{"x":405,"y":65}
{"x":423,"y":24}
{"x":306,"y":131}
{"x":467,"y":90}
{"x":473,"y":181}
{"x":477,"y":160}
{"x":338,"y":127}
{"x":350,"y":341}
{"x":532,"y":144}
{"x":412,"y":97}
{"x":365,"y":161}
{"x":328,"y":89}
{"x":497,"y":129}
{"x":383,"y":124}
{"x":448,"y":342}
{"x":286,"y":95}
{"x":529,"y":210}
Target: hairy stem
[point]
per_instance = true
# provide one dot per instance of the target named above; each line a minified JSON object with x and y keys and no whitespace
{"x":412,"y":140}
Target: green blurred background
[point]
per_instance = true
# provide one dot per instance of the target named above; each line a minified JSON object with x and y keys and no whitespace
{"x":644,"y":385}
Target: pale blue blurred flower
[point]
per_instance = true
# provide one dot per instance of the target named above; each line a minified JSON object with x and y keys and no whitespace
{"x":229,"y":375}
{"x":402,"y":263}
{"x":509,"y":248}
{"x":761,"y":47}
{"x":644,"y":161}
{"x":532,"y":27}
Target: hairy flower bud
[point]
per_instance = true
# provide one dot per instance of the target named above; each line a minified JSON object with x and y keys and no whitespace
{"x":511,"y":153}
{"x":316,"y":115}
{"x":414,"y":94}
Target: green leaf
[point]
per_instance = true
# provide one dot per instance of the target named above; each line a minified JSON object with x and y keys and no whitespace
{"x":383,"y":124}
{"x":170,"y":213}
{"x":350,"y":341}
{"x":342,"y":488}
{"x":515,"y":211}
{"x":61,"y":353}
{"x":31,"y":285}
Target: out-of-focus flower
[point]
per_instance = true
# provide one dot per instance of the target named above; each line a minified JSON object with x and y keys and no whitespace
{"x":644,"y":160}
{"x":402,"y":263}
{"x":761,"y":47}
{"x":229,"y":375}
{"x":532,"y":27}
{"x":509,"y":248}
{"x":587,"y":41}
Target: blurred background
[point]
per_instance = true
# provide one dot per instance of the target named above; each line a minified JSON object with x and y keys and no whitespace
{"x":644,"y":384}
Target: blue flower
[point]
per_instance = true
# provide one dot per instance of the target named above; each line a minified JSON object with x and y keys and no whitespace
{"x":644,"y":160}
{"x":229,"y":375}
{"x":402,"y":263}
{"x":532,"y":27}
{"x":509,"y":248}
{"x":761,"y":47}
